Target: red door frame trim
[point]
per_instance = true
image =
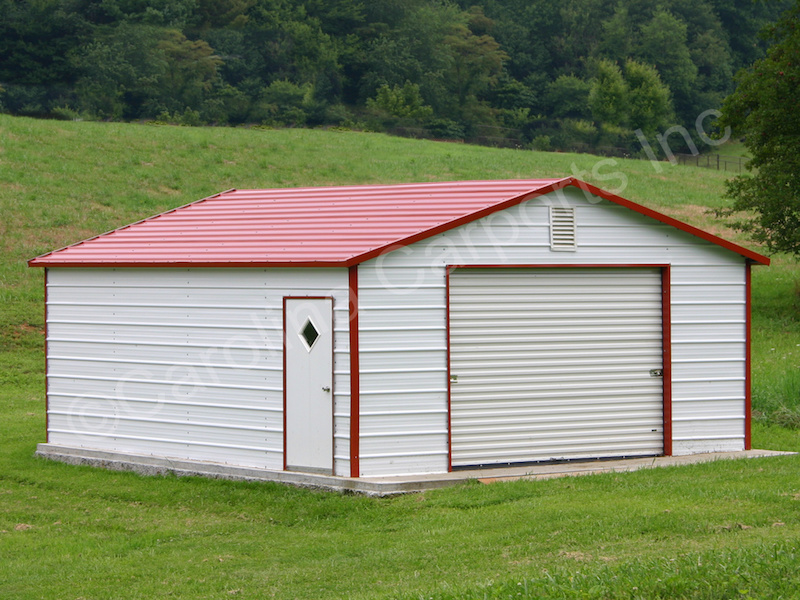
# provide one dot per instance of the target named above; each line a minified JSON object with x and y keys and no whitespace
{"x":333,"y":442}
{"x":355,"y":385}
{"x":748,"y":398}
{"x":46,"y":362}
{"x":448,"y":270}
{"x":666,"y":337}
{"x":666,"y":363}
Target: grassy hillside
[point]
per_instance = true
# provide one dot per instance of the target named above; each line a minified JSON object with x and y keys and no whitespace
{"x":68,"y":532}
{"x":64,"y":181}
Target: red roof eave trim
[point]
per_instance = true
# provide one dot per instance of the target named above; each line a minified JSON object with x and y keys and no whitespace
{"x":552,"y":187}
{"x":474,"y":216}
{"x":667,"y":220}
{"x":190,"y":264}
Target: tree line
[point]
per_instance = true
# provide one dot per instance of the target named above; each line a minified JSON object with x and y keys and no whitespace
{"x":544,"y":74}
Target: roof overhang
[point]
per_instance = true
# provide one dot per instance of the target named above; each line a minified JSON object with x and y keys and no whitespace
{"x":393,"y":239}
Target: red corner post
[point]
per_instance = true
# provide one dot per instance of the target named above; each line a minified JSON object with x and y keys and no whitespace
{"x":355,"y":469}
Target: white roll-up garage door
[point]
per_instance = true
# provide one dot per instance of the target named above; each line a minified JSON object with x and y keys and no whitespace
{"x":555,"y":364}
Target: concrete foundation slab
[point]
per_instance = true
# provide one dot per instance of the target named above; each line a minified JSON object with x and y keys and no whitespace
{"x":373,"y":486}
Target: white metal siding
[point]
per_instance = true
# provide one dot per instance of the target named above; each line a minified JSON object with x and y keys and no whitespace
{"x":551,"y":364}
{"x":183,"y":363}
{"x":402,"y":305}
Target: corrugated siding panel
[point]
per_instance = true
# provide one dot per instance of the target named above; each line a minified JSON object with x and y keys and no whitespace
{"x":554,"y":364}
{"x":413,"y":278}
{"x":403,"y":376}
{"x":184,"y":363}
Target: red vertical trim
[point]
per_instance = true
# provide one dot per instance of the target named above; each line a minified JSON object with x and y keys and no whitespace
{"x":283,"y":349}
{"x":333,"y":390}
{"x":46,"y":363}
{"x":447,"y":272}
{"x":666,"y":369}
{"x":355,"y":385}
{"x":748,"y":398}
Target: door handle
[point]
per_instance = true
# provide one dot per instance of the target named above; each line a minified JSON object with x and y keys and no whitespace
{"x":326,"y":388}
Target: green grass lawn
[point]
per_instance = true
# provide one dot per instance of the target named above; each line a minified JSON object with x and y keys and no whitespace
{"x":719,"y":530}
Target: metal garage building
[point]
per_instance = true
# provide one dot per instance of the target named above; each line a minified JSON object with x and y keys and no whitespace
{"x":400,"y":329}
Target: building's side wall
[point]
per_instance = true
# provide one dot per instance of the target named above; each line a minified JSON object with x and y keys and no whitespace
{"x":403,"y":336}
{"x":184,"y":363}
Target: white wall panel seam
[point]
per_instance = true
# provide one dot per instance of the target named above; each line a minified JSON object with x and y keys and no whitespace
{"x":402,"y":391}
{"x":158,"y":401}
{"x":166,"y":382}
{"x":258,"y":307}
{"x":176,"y":344}
{"x":401,"y":433}
{"x":187,"y":442}
{"x":700,"y":379}
{"x":184,"y":422}
{"x":115,"y":324}
{"x":195,"y":365}
{"x":689,"y":419}
{"x":708,"y":437}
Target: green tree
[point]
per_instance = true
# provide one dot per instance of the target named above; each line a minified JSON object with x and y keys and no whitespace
{"x":764,"y":109}
{"x":190,"y":70}
{"x":649,"y":102}
{"x":36,"y":41}
{"x":413,"y":49}
{"x":401,"y":102}
{"x":219,"y":14}
{"x":120,"y":72}
{"x":285,"y":103}
{"x":568,"y":97}
{"x":476,"y":63}
{"x":608,"y":96}
{"x":664,"y":44}
{"x":140,"y":71}
{"x":617,"y":39}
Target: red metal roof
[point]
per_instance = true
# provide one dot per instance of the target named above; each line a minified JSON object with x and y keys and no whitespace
{"x":321,"y":226}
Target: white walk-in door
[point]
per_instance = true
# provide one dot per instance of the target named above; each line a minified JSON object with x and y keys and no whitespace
{"x":555,"y":364}
{"x":308,"y":335}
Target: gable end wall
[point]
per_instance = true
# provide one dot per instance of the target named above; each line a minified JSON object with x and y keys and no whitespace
{"x":403,"y":337}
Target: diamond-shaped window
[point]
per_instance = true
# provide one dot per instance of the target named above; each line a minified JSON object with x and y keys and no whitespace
{"x":309,"y":334}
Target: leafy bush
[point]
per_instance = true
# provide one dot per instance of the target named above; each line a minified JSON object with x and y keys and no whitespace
{"x":446,"y":129}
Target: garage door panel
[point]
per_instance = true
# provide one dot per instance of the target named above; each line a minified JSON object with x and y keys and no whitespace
{"x":557,"y":349}
{"x":550,"y":404}
{"x":555,"y":363}
{"x":550,"y":333}
{"x":556,"y":425}
{"x":566,"y":449}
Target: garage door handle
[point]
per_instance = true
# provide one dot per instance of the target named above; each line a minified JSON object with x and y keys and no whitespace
{"x":656,"y":372}
{"x":326,"y":388}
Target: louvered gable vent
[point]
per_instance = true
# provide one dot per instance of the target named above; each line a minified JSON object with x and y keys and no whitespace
{"x":562,"y":228}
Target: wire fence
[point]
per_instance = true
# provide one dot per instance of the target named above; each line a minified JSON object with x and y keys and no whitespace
{"x":503,"y":137}
{"x":713,"y":161}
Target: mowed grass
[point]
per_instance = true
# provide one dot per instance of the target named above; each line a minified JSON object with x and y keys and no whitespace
{"x":721,"y":530}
